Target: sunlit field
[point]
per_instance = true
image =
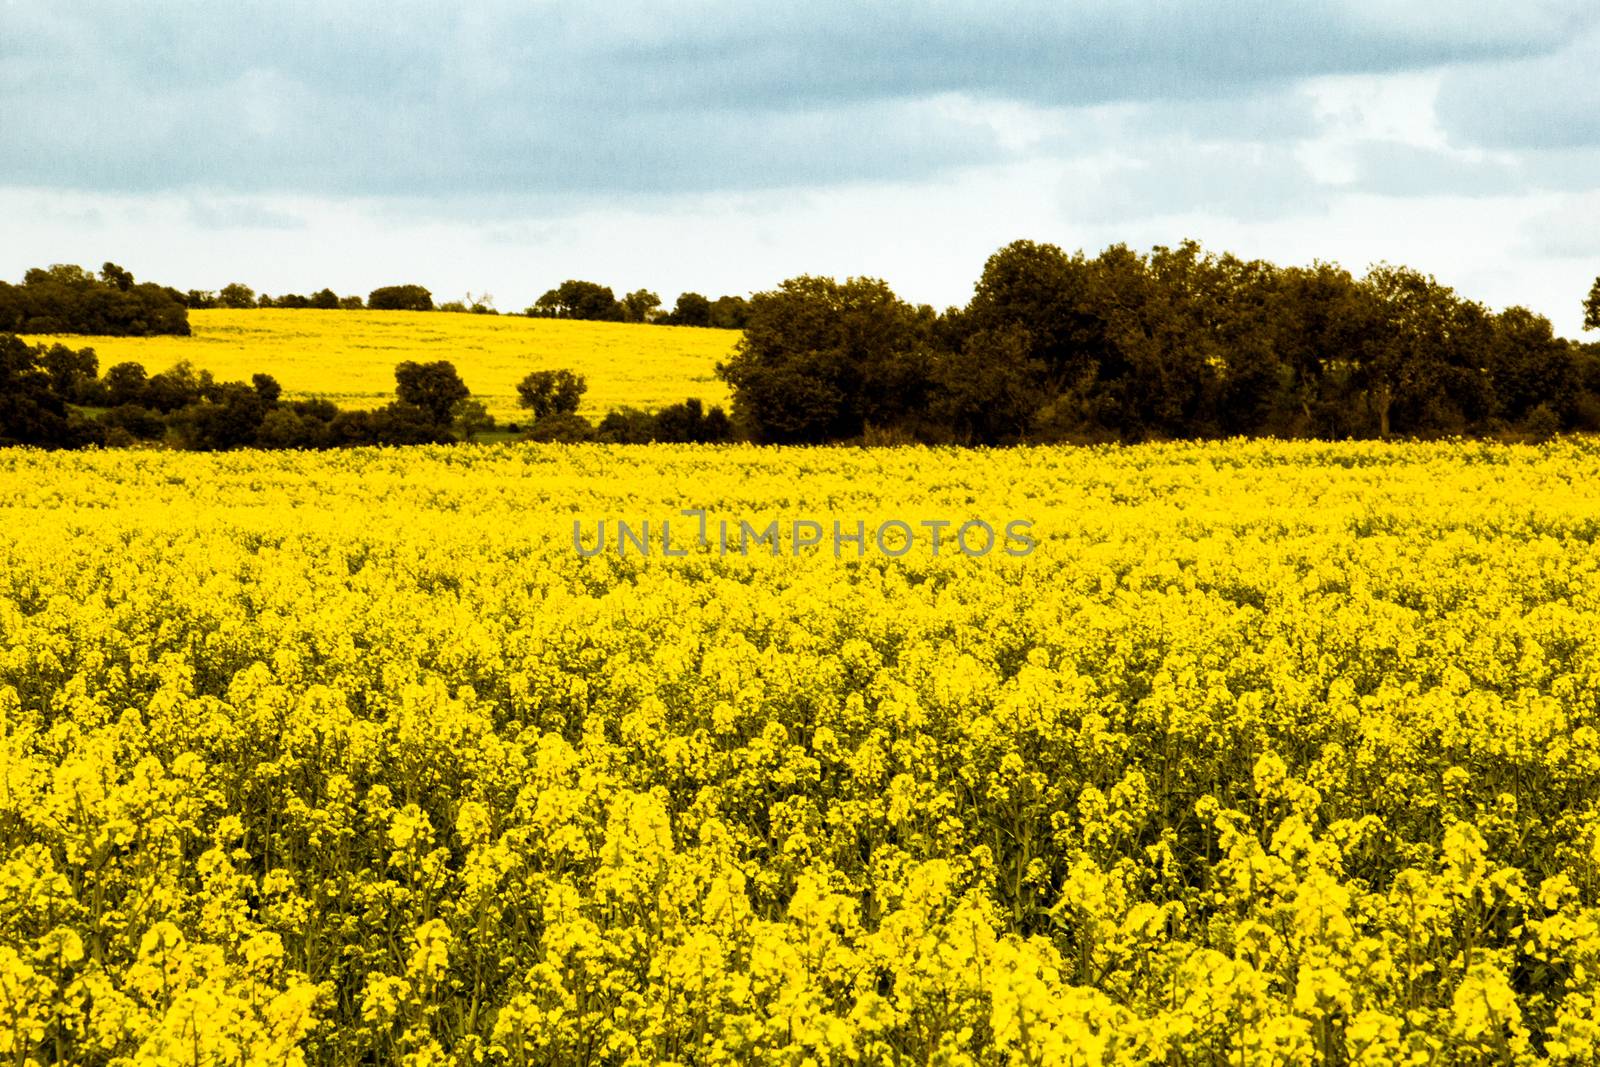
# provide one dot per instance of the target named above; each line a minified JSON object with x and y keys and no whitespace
{"x":349,"y":356}
{"x":1267,"y":753}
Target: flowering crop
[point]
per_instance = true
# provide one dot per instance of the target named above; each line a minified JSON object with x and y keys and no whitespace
{"x":1267,"y":753}
{"x":349,"y":356}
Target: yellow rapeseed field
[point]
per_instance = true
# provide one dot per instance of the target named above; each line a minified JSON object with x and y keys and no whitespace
{"x":1267,"y":753}
{"x":349,"y":356}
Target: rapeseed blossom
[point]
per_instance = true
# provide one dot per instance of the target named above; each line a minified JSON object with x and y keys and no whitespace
{"x":1269,"y":753}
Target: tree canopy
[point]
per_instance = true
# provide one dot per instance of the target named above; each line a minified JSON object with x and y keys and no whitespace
{"x":400,"y":298}
{"x":70,"y":299}
{"x":1178,"y":342}
{"x":551,"y":392}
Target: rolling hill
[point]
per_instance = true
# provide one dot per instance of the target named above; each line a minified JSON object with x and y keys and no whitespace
{"x":349,"y":356}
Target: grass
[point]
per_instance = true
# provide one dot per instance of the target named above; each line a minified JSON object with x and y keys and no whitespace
{"x":349,"y":356}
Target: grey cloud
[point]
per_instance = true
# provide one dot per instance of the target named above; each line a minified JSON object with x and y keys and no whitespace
{"x":1546,"y":101}
{"x":1235,"y":181}
{"x":636,"y":98}
{"x":1393,"y":168}
{"x":1281,"y":115}
{"x":1566,"y":231}
{"x":214,"y":213}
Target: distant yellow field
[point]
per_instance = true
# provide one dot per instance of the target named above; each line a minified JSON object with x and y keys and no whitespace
{"x":349,"y":356}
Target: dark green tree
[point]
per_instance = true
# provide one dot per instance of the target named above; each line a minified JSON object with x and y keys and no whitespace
{"x":627,"y":426}
{"x":1529,"y":367}
{"x":126,"y":383}
{"x":69,"y":299}
{"x":820,"y":360}
{"x":433,"y":388}
{"x":400,"y":298}
{"x":639,"y":305}
{"x":175,"y":388}
{"x":1424,"y":362}
{"x":692,"y":309}
{"x":116,"y":276}
{"x":1320,"y":320}
{"x":551,"y":392}
{"x":690,"y":423}
{"x":31,"y":413}
{"x":230,"y":417}
{"x":1040,"y":289}
{"x":267,"y":388}
{"x":72,"y":372}
{"x":730,"y":312}
{"x":469,"y":418}
{"x":989,"y":392}
{"x":236,"y":295}
{"x":574,"y":299}
{"x":562,"y":427}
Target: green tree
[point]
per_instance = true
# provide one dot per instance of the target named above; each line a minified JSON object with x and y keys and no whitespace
{"x":1042,"y":290}
{"x":562,"y":427}
{"x":115,"y":275}
{"x":126,"y":383}
{"x":639,"y":305}
{"x":31,"y":413}
{"x":551,"y":392}
{"x":267,"y":388}
{"x":1425,"y":360}
{"x":692,"y":309}
{"x":236,"y":295}
{"x":400,"y":298}
{"x":575,"y":299}
{"x":433,"y":388}
{"x":176,"y":387}
{"x":1320,"y":320}
{"x":1531,"y":367}
{"x":729,"y":313}
{"x":72,"y":371}
{"x":1135,"y":351}
{"x":1591,"y":308}
{"x":627,"y":426}
{"x":65,"y":298}
{"x":988,"y":392}
{"x":230,"y":418}
{"x":690,"y":423}
{"x":820,"y":360}
{"x":470,"y":418}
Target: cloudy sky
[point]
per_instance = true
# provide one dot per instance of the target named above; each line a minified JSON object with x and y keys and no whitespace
{"x":723,"y":146}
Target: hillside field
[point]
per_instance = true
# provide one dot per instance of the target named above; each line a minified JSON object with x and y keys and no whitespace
{"x":349,"y":356}
{"x":1267,"y":753}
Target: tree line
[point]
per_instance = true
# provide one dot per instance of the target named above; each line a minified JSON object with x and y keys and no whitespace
{"x":69,"y":299}
{"x":1177,"y":343}
{"x":574,"y":299}
{"x":1123,"y":346}
{"x":55,"y":397}
{"x":238,"y":295}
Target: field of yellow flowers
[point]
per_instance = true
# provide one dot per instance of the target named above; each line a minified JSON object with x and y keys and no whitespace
{"x":1267,"y":753}
{"x":349,"y":356}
